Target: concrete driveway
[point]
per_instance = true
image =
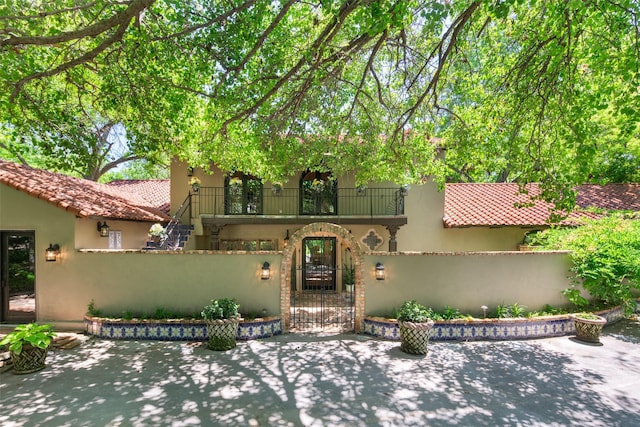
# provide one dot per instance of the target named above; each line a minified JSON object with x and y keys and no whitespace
{"x":344,"y":380}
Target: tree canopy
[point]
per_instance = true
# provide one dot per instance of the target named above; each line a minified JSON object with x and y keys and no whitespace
{"x":515,"y":90}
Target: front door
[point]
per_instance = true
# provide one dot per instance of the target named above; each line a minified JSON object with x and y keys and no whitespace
{"x":17,"y":276}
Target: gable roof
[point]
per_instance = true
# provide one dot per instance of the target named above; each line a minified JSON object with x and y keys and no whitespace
{"x":155,"y":191}
{"x":492,"y":205}
{"x":81,"y":197}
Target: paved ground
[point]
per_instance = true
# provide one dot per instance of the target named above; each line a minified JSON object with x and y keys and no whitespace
{"x":346,"y":380}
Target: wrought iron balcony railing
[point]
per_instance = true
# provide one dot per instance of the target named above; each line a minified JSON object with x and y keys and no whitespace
{"x":369,"y":202}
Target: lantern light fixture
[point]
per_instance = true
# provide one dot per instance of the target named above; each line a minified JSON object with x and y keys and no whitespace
{"x":286,"y":239}
{"x":103,"y":229}
{"x":52,"y":252}
{"x":265,"y":273}
{"x":379,"y":271}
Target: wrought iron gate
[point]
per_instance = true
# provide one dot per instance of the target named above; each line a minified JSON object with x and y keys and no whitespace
{"x":322,"y":287}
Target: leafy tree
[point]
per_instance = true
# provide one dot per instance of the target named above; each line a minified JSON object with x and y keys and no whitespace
{"x":513,"y":87}
{"x":605,"y":255}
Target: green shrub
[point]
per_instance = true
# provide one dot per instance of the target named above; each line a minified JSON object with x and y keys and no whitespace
{"x":36,"y":335}
{"x":92,"y":310}
{"x":412,"y":311}
{"x":223,"y":308}
{"x":605,"y":255}
{"x":451,"y":313}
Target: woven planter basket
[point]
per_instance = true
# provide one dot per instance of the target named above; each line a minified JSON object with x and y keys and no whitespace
{"x":414,"y":337}
{"x":222,"y":334}
{"x":589,"y":330}
{"x":31,"y":359}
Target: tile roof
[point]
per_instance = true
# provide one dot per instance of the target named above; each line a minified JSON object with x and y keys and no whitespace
{"x":81,"y":197}
{"x":492,"y":205}
{"x":156,"y":191}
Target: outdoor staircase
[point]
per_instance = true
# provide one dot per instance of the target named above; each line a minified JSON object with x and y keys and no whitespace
{"x":177,"y":237}
{"x":178,"y":232}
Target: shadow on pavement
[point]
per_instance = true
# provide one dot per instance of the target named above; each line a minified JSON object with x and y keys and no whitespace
{"x":352,"y":380}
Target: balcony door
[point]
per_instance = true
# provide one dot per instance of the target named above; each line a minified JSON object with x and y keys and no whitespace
{"x":318,"y":194}
{"x":243,"y":195}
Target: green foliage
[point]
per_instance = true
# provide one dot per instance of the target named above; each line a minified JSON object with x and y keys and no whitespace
{"x":514,"y":310}
{"x":36,"y":335}
{"x":605,"y":255}
{"x":587,"y":316}
{"x":163,"y":313}
{"x":92,"y":310}
{"x":412,"y":311}
{"x":223,"y":308}
{"x":517,"y":90}
{"x":127,"y":315}
{"x":451,"y":313}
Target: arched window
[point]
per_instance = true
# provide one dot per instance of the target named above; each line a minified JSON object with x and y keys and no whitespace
{"x":243,"y":194}
{"x":318,"y":194}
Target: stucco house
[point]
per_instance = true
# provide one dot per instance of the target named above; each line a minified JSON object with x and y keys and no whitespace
{"x":316,"y":250}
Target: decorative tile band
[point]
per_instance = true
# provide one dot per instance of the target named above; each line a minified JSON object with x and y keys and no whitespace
{"x":489,"y":329}
{"x":175,"y":330}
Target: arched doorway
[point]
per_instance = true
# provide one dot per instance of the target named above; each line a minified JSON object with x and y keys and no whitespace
{"x":322,"y":286}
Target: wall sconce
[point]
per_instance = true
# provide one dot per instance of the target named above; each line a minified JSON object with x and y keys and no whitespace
{"x":190,"y":171}
{"x":52,"y":252}
{"x":265,"y":273}
{"x":103,"y":229}
{"x":379,"y":271}
{"x":286,"y":239}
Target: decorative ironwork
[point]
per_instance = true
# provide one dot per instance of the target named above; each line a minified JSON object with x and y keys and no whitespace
{"x":376,"y":202}
{"x":322,"y":300}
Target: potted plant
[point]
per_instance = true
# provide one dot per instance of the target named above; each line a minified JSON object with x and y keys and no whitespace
{"x":276,"y":188}
{"x":28,"y":345}
{"x":194,"y":182}
{"x":222,"y":318}
{"x":588,"y":326}
{"x":157,"y":233}
{"x":415,"y":327}
{"x":348,"y":279}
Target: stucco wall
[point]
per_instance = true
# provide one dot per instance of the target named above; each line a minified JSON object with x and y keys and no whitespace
{"x":134,"y":234}
{"x":467,"y":280}
{"x":119,"y":281}
{"x":187,"y":281}
{"x":21,"y":212}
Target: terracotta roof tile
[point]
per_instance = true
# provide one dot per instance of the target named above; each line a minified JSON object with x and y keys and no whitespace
{"x":493,"y":205}
{"x":156,"y":191}
{"x":81,"y":197}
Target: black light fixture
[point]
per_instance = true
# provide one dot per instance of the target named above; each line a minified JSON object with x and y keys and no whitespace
{"x":52,"y":252}
{"x":379,"y":271}
{"x":103,"y":229}
{"x":286,"y":239}
{"x":265,"y":273}
{"x":190,"y":171}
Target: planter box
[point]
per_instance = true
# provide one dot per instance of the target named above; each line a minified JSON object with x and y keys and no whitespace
{"x":490,"y":329}
{"x":175,"y":329}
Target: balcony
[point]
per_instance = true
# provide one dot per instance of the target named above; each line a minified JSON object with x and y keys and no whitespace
{"x":219,"y":206}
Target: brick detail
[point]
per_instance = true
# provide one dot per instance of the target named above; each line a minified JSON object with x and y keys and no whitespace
{"x":323,"y":229}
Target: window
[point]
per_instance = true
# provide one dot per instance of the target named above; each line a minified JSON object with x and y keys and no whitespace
{"x":115,"y":239}
{"x":318,"y":193}
{"x":243,"y":194}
